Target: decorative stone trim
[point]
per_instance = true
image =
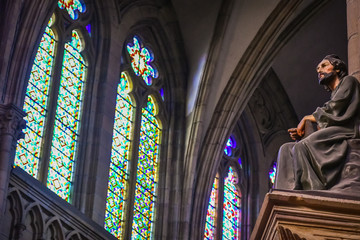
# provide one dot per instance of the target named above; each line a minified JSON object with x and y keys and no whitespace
{"x":286,"y":234}
{"x":37,"y":211}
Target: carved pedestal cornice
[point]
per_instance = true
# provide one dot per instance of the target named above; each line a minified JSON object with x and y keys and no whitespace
{"x":306,"y":215}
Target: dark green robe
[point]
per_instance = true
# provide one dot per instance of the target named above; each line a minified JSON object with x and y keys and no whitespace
{"x":316,"y":161}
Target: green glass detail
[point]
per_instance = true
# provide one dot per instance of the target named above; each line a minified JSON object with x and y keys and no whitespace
{"x":119,"y":163}
{"x":231,"y":208}
{"x":67,"y":119}
{"x":147,"y":173}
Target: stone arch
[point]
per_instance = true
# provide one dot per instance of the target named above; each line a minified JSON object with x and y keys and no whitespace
{"x":244,"y":80}
{"x":53,"y":229}
{"x":13,"y":213}
{"x":29,"y":28}
{"x":33,"y":222}
{"x":73,"y":236}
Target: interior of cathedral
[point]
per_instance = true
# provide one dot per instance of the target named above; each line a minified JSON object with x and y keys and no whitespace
{"x":155,"y":119}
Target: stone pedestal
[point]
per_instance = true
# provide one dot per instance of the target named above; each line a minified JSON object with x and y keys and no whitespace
{"x":307,"y":215}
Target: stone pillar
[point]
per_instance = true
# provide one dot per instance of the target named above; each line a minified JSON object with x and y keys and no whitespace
{"x":11,"y":125}
{"x":353,"y":29}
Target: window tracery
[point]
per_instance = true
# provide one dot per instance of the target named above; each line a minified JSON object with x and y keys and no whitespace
{"x":139,"y":147}
{"x":53,"y":102}
{"x":223,"y":220}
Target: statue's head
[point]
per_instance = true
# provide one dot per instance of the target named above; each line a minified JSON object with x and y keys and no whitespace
{"x":329,"y":69}
{"x":339,"y":65}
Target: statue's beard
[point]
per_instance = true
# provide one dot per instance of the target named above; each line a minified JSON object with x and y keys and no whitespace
{"x":327,"y":78}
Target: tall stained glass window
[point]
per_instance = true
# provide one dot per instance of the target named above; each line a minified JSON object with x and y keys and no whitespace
{"x":210,"y":225}
{"x":67,"y":118}
{"x":225,"y":200}
{"x":134,"y":163}
{"x":231,"y":207}
{"x":54,"y":102}
{"x":119,"y":165}
{"x":147,"y":169}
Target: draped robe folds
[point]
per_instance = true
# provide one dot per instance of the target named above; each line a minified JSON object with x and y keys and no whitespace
{"x":315,"y":162}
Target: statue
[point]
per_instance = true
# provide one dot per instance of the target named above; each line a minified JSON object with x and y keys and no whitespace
{"x":315,"y":162}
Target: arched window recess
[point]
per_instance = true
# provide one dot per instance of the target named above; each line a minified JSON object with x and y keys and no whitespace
{"x":54,"y":100}
{"x":137,"y":148}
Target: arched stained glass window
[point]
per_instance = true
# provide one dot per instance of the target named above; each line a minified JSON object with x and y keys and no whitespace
{"x":225,"y":199}
{"x":135,"y":158}
{"x":67,"y":118}
{"x":36,"y":103}
{"x":147,"y":172}
{"x":231,"y":208}
{"x":53,"y":152}
{"x":210,"y":225}
{"x":120,"y":165}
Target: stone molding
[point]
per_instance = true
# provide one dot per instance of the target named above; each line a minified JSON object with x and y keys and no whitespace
{"x":36,"y":211}
{"x":308,"y":215}
{"x":287,"y":234}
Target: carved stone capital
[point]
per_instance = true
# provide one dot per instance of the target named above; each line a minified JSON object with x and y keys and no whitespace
{"x":11,"y":121}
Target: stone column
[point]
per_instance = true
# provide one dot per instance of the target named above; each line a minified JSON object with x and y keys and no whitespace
{"x":11,"y":125}
{"x":353,"y":29}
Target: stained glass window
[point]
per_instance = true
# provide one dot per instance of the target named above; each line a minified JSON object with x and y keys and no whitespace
{"x":231,"y":208}
{"x":141,"y":58}
{"x":36,"y":103}
{"x":272,"y":174}
{"x":136,"y":143}
{"x":119,"y":165}
{"x":72,"y":7}
{"x":225,"y":199}
{"x":229,"y":147}
{"x":67,"y":118}
{"x":147,"y":172}
{"x":55,"y":158}
{"x":210,"y":225}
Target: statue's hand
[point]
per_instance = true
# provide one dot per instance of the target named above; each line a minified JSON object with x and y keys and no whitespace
{"x":294,"y":134}
{"x":301,"y":127}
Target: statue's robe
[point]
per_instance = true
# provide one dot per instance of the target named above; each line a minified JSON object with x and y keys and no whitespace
{"x":315,"y":162}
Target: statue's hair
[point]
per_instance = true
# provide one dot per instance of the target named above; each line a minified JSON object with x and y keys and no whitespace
{"x":338,"y":65}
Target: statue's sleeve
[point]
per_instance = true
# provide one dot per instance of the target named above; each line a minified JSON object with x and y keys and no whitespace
{"x":342,"y":109}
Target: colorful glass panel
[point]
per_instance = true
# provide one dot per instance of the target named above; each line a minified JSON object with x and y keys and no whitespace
{"x":141,"y":58}
{"x":119,"y":163}
{"x":67,"y":118}
{"x":147,"y":172}
{"x":35,"y":105}
{"x":272,"y":174}
{"x":230,"y":145}
{"x":231,"y":208}
{"x":210,"y":225}
{"x":73,"y":7}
